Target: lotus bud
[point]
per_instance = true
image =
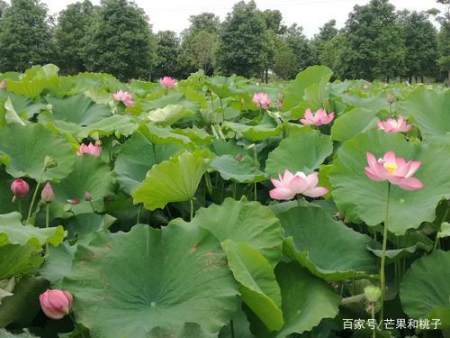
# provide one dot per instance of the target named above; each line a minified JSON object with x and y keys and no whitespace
{"x":372,"y":293}
{"x":56,"y":303}
{"x":20,"y":188}
{"x":47,"y":194}
{"x":88,"y":196}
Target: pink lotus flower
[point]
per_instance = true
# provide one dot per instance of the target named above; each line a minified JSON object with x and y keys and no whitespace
{"x":392,"y":125}
{"x":395,"y":170}
{"x":47,"y":194}
{"x":319,"y":118}
{"x":56,"y":303}
{"x":90,"y":149}
{"x":125,"y":97}
{"x":168,"y":82}
{"x":262,"y":100}
{"x":289,"y":185}
{"x":20,"y":188}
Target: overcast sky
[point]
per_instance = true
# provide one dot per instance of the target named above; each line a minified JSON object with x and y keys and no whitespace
{"x":311,"y":14}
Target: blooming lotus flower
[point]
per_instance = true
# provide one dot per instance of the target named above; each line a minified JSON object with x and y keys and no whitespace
{"x":56,"y":303}
{"x":262,"y":100}
{"x":47,"y":194}
{"x":20,"y":188}
{"x":168,"y":82}
{"x":125,"y":97}
{"x":288,"y":185}
{"x":319,"y":118}
{"x":395,"y":170}
{"x":392,"y":125}
{"x":90,"y":149}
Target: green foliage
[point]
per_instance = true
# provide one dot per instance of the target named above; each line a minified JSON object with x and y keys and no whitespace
{"x":71,"y":36}
{"x":25,"y":36}
{"x":242,"y":41}
{"x":167,"y":50}
{"x":120,"y":41}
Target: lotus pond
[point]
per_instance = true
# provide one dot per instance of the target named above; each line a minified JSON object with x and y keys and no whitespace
{"x":221,"y":207}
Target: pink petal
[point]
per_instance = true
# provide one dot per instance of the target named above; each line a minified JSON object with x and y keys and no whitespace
{"x":281,"y":194}
{"x":411,"y":183}
{"x":316,"y":192}
{"x":373,"y":175}
{"x":413,"y":167}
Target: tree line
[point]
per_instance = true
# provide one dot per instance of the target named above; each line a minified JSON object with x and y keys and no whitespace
{"x":377,"y":42}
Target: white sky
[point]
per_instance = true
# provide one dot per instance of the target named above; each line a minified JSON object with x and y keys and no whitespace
{"x":311,"y":14}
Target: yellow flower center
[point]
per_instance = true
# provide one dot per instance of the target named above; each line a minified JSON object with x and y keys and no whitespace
{"x":390,"y":167}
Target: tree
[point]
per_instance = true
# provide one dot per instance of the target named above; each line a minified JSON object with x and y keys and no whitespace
{"x":120,"y":41}
{"x":274,"y":19}
{"x":167,"y":51}
{"x":285,"y":63}
{"x":243,"y":41}
{"x":421,"y":45}
{"x":25,"y":37}
{"x":3,"y":6}
{"x":320,"y":42}
{"x":300,"y":45}
{"x":444,"y":40}
{"x":199,"y":45}
{"x":331,"y":54}
{"x":376,"y":43}
{"x":70,"y":36}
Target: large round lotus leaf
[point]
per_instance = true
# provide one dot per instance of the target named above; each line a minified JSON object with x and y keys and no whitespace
{"x":258,"y":286}
{"x":18,"y":260}
{"x":430,"y":110}
{"x":425,"y":289}
{"x":313,"y":76}
{"x":303,"y":150}
{"x":306,"y":299}
{"x":78,"y":109}
{"x":90,"y":175}
{"x":134,"y":283}
{"x":239,"y":170}
{"x":174,"y":180}
{"x":254,"y":133}
{"x":361,"y":198}
{"x":352,"y":123}
{"x":136,"y":157}
{"x":27,"y":147}
{"x":12,"y":231}
{"x":6,"y":334}
{"x":243,"y":221}
{"x":118,"y":125}
{"x":314,"y":238}
{"x":169,"y":114}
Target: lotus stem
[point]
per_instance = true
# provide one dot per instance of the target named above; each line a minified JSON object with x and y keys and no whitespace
{"x":383,"y":255}
{"x":33,"y":201}
{"x":192,"y":209}
{"x":232,"y":329}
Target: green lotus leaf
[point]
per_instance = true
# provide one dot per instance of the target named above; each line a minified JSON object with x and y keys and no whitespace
{"x":23,"y":306}
{"x":326,"y":247}
{"x":27,"y":148}
{"x":12,"y":115}
{"x":136,"y":158}
{"x":90,"y":175}
{"x":163,"y":135}
{"x":425,"y":291}
{"x":303,"y":150}
{"x":118,"y":125}
{"x":306,"y":299}
{"x":12,"y":231}
{"x":255,"y":133}
{"x":169,"y":114}
{"x":357,"y":120}
{"x":174,"y":180}
{"x":241,"y":171}
{"x":7,"y":334}
{"x":430,"y":110}
{"x":35,"y":80}
{"x":243,"y":222}
{"x":258,"y":286}
{"x":360,"y":198}
{"x":295,"y":91}
{"x":78,"y":109}
{"x":147,"y":280}
{"x":16,"y":260}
